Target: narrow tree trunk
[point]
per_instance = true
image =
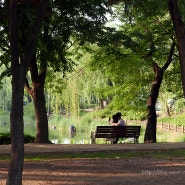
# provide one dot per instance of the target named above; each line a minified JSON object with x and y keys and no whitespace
{"x":179,"y":26}
{"x":101,"y":104}
{"x":150,"y":133}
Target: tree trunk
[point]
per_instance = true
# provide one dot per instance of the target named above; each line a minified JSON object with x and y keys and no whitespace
{"x":17,"y":129}
{"x":37,"y":93}
{"x":16,"y":116}
{"x":150,"y":133}
{"x":40,"y":113}
{"x":101,"y":103}
{"x":19,"y":71}
{"x":179,"y":27}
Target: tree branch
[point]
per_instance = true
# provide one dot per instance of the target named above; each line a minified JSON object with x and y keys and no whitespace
{"x":169,"y":59}
{"x":33,"y":38}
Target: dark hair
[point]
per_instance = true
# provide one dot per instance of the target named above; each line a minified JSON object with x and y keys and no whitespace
{"x":115,"y":118}
{"x":118,"y":114}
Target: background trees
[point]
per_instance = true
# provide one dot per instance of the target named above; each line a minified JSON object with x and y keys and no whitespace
{"x":143,"y":41}
{"x":65,"y":23}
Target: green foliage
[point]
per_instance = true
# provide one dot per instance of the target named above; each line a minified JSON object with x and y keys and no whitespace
{"x":179,"y":105}
{"x":86,"y":119}
{"x":177,"y":120}
{"x":29,"y":111}
{"x":4,"y":116}
{"x":135,"y":115}
{"x":5,"y":138}
{"x":101,"y":113}
{"x":29,"y":138}
{"x":181,"y":6}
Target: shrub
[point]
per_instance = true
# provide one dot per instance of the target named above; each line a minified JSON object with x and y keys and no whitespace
{"x":135,"y":115}
{"x":86,"y":119}
{"x":5,"y":138}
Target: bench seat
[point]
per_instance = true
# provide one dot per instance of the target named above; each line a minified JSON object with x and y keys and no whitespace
{"x":110,"y":132}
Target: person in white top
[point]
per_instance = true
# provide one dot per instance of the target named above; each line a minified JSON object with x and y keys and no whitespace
{"x":120,"y":122}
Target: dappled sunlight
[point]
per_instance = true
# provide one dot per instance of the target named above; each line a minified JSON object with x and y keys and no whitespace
{"x":82,"y":171}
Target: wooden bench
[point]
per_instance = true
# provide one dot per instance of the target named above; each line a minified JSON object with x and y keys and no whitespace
{"x":111,"y":132}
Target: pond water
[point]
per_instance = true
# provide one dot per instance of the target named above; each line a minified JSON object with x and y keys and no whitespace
{"x":61,"y":134}
{"x":56,"y":136}
{"x":66,"y":138}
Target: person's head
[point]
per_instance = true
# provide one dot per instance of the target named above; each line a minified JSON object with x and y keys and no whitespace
{"x":115,"y":118}
{"x":118,"y":114}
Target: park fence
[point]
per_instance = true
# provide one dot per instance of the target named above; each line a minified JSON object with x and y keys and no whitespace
{"x":162,"y":125}
{"x":171,"y":127}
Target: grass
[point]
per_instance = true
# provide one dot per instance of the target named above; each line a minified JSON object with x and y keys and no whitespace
{"x":155,"y":154}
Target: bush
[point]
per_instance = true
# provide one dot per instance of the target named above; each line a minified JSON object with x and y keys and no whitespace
{"x":177,"y":120}
{"x":179,"y":105}
{"x":29,"y":139}
{"x":135,"y":115}
{"x":6,"y":139}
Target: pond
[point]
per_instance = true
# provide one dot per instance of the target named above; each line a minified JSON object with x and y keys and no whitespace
{"x":56,"y":135}
{"x":61,"y":136}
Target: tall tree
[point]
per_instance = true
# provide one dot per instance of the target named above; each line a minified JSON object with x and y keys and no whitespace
{"x":178,"y":20}
{"x":150,"y":133}
{"x":19,"y":70}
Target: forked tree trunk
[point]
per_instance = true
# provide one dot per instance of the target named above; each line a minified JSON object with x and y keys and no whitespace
{"x":150,"y":133}
{"x":37,"y":93}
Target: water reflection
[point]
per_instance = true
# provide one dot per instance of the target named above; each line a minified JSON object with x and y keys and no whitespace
{"x":58,"y":135}
{"x":69,"y":141}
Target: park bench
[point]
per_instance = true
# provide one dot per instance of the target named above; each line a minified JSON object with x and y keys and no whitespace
{"x":111,"y":132}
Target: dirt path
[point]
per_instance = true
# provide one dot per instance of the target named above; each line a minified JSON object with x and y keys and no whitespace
{"x":135,"y":171}
{"x":101,"y":172}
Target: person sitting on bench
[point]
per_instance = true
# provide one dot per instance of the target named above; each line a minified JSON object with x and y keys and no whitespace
{"x":117,"y":121}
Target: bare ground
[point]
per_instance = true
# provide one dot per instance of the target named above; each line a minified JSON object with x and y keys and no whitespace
{"x":135,"y":171}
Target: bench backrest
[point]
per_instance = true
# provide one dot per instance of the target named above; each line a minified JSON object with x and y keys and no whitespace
{"x":117,"y":131}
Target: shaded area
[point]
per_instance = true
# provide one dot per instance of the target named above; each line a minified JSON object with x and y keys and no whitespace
{"x":101,"y":171}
